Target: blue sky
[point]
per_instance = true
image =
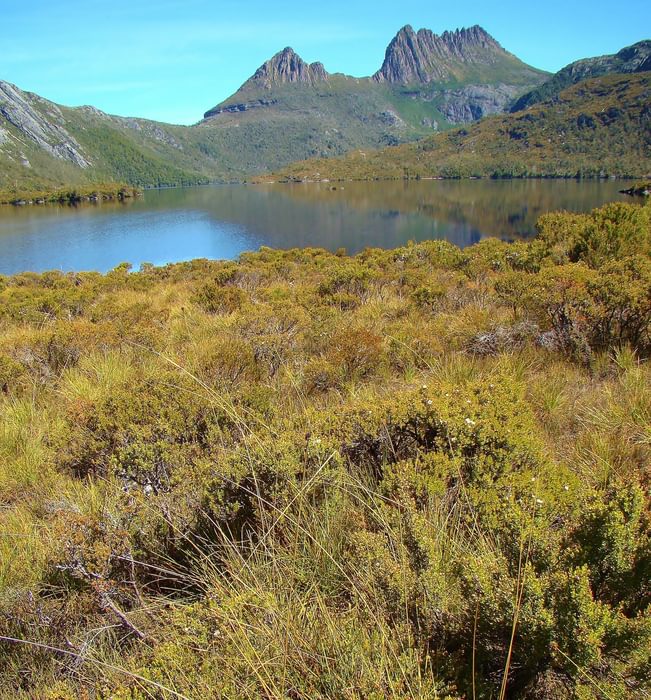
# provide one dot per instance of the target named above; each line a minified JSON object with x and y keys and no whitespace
{"x":172,"y":60}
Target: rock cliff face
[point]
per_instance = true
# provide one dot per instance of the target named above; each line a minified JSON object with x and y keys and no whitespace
{"x":237,"y":107}
{"x":39,"y":121}
{"x":632,"y":59}
{"x":474,"y":102}
{"x":425,"y":57}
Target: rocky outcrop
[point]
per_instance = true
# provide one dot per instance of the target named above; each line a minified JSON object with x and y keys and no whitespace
{"x":238,"y":107}
{"x":632,"y":59}
{"x":391,"y":118}
{"x":41,"y":122}
{"x":641,"y":189}
{"x":153,"y":130}
{"x":425,"y":57}
{"x":288,"y":67}
{"x":474,"y":102}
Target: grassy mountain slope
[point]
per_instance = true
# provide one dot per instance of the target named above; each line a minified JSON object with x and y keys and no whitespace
{"x":597,"y":127}
{"x":42,"y":144}
{"x":632,"y":59}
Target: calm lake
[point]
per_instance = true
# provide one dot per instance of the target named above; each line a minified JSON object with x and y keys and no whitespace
{"x":223,"y":221}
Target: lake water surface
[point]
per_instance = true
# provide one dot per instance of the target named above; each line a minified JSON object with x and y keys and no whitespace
{"x":223,"y":221}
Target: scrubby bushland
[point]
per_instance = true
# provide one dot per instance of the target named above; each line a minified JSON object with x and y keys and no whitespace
{"x":596,"y":128}
{"x":414,"y":473}
{"x":92,"y":193}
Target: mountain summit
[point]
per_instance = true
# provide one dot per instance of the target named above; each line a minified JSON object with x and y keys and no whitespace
{"x":424,"y":57}
{"x":285,"y":68}
{"x":288,"y":67}
{"x":421,"y":57}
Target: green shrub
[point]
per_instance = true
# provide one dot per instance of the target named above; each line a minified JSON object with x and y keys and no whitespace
{"x":219,"y":300}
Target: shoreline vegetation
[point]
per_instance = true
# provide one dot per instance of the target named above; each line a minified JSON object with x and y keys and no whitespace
{"x":639,"y":189}
{"x":416,"y":474}
{"x":71,"y":195}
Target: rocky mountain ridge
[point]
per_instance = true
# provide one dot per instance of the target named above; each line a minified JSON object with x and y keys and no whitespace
{"x":632,"y":59}
{"x":427,"y":82}
{"x":288,"y":67}
{"x":425,"y":57}
{"x":46,"y":130}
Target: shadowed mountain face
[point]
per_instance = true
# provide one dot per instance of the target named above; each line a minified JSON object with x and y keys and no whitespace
{"x":632,"y":59}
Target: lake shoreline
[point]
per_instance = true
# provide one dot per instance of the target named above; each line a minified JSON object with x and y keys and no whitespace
{"x":94,"y":194}
{"x":222,"y":222}
{"x":442,"y":178}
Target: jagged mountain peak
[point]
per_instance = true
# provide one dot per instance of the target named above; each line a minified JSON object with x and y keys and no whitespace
{"x":288,"y":67}
{"x":475,"y":34}
{"x":284,"y":67}
{"x":464,"y":58}
{"x":467,"y":35}
{"x":423,"y":56}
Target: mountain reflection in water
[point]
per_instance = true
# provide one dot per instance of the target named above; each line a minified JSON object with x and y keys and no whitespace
{"x":223,"y":221}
